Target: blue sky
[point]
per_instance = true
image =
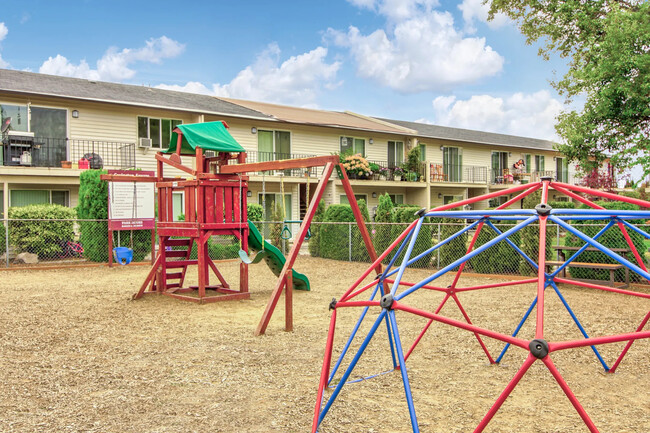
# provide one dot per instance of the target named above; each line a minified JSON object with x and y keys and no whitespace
{"x":425,"y":60}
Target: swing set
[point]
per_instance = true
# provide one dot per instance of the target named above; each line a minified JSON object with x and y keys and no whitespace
{"x":215,"y":203}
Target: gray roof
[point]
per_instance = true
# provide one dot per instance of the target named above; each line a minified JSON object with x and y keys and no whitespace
{"x":467,"y":135}
{"x":75,"y":88}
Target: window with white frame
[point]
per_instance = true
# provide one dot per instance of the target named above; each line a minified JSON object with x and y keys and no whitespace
{"x":352,"y":146}
{"x":395,"y":153}
{"x":273,"y":145}
{"x":539,"y":163}
{"x":157,"y":129}
{"x":26,"y":197}
{"x":396,"y":198}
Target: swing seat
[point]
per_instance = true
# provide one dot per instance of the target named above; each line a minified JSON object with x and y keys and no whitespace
{"x":256,"y":259}
{"x":123,"y":255}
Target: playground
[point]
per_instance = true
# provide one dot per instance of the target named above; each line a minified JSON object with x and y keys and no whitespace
{"x":80,"y":355}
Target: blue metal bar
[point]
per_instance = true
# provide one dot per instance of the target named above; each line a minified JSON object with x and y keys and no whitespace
{"x":347,"y":373}
{"x":372,"y":376}
{"x":577,"y":322}
{"x":581,"y":250}
{"x":521,"y":253}
{"x":636,"y":229}
{"x":602,"y":248}
{"x":409,"y":250}
{"x":390,"y":335}
{"x":514,"y":334}
{"x":352,"y":335}
{"x":435,"y":247}
{"x":468,"y":256}
{"x":405,"y":377}
{"x":405,"y":242}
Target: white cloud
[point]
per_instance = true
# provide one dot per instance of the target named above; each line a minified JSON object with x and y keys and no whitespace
{"x":529,"y":115}
{"x":114,"y":64}
{"x":478,"y":10}
{"x":296,"y":81}
{"x":420,"y":50}
{"x":3,"y":34}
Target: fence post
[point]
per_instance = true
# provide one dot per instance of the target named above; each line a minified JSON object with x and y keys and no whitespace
{"x":350,"y":242}
{"x":7,"y":242}
{"x":557,"y":238}
{"x":438,"y":250}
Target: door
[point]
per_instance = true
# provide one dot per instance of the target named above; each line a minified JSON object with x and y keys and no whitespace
{"x":452,"y":162}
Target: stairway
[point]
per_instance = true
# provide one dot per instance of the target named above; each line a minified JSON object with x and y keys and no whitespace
{"x":176,"y":260}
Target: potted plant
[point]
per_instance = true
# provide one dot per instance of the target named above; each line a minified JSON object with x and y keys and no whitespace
{"x":357,"y":167}
{"x":398,"y":172}
{"x":412,"y":176}
{"x":383,"y":173}
{"x":66,"y":164}
{"x":374,"y":169}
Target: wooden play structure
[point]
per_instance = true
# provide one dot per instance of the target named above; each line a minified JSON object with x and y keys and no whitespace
{"x":215,"y":203}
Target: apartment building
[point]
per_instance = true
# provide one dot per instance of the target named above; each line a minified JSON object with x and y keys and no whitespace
{"x":51,"y":124}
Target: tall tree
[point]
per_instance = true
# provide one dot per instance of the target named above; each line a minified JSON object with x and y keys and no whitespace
{"x":608,"y":44}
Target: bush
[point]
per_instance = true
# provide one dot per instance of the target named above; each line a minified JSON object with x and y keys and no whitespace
{"x":612,"y":238}
{"x":276,"y":228}
{"x":255,"y":212}
{"x":334,"y":238}
{"x":455,"y":249}
{"x":501,"y":258}
{"x":314,"y":241}
{"x":359,"y":251}
{"x":217,"y":249}
{"x":530,"y":237}
{"x":93,"y":205}
{"x":46,"y":238}
{"x":424,"y":240}
{"x":383,"y":232}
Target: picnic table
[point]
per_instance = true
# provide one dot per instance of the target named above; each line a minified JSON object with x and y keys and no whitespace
{"x":611,"y":267}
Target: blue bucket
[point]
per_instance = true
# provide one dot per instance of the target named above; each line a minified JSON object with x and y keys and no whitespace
{"x":123,"y":255}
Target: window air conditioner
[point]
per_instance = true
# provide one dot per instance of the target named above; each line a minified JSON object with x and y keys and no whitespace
{"x":144,"y":143}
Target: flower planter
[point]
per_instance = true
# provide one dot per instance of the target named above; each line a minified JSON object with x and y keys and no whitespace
{"x":397,"y":177}
{"x":66,"y":164}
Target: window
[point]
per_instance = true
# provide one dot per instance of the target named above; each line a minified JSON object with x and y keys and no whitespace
{"x":423,"y":152}
{"x":562,"y":169}
{"x":353,"y":145}
{"x":158,"y":130}
{"x":34,"y":196}
{"x":446,"y":199}
{"x":539,"y":163}
{"x":397,"y":198}
{"x":178,"y":205}
{"x":16,"y":115}
{"x":272,"y":145}
{"x":499,"y":163}
{"x":452,"y":162}
{"x":527,"y":162}
{"x":343,"y":199}
{"x":395,"y":153}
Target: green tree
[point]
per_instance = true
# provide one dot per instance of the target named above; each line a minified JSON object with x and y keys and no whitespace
{"x":606,"y":42}
{"x":314,"y":241}
{"x":383,"y":217}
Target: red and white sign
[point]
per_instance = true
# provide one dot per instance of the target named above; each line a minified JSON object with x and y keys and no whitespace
{"x":131,"y":205}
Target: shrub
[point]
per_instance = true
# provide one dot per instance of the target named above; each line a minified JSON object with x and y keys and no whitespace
{"x":424,"y":240}
{"x":359,"y":251}
{"x":500,"y":258}
{"x":217,"y":249}
{"x":455,"y":249}
{"x":383,"y":232}
{"x":530,"y":237}
{"x":45,"y":238}
{"x":314,"y":241}
{"x":276,"y":228}
{"x":334,"y":243}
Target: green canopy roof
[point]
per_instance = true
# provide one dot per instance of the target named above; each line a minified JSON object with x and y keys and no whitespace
{"x":207,"y":136}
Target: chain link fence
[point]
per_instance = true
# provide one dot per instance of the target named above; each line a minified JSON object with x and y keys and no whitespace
{"x":70,"y":242}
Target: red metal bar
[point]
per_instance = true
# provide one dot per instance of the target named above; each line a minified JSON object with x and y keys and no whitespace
{"x":345,"y":182}
{"x":399,"y":239}
{"x":485,"y":197}
{"x":409,"y":284}
{"x":629,"y":344}
{"x":426,"y":328}
{"x":467,"y":319}
{"x":599,"y":287}
{"x":490,"y":286}
{"x":463,"y":325}
{"x":291,"y":258}
{"x":541,"y":261}
{"x":505,"y":393}
{"x":284,"y":164}
{"x":363,"y":289}
{"x":562,"y":345}
{"x":327,"y":361}
{"x":603,"y":194}
{"x":572,"y":398}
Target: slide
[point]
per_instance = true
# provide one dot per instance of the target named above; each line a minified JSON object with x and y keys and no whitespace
{"x":274,"y":258}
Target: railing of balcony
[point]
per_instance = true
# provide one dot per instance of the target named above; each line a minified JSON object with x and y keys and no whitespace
{"x":457,"y":173}
{"x":255,"y":156}
{"x":50,"y":152}
{"x":388,"y":171}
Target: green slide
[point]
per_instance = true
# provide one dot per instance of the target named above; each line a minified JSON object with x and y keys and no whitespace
{"x":273,"y":257}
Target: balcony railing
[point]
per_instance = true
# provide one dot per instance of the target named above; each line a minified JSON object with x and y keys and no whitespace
{"x":387,"y":171}
{"x":456,"y":173}
{"x":256,"y":156}
{"x":500,"y":177}
{"x":50,"y":152}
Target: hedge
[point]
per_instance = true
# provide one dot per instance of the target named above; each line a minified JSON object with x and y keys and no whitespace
{"x":424,"y":241}
{"x":455,"y":249}
{"x":500,"y":258}
{"x":530,"y":237}
{"x":359,"y":251}
{"x":612,"y":238}
{"x":314,"y":241}
{"x":383,"y":232}
{"x":46,"y":238}
{"x":334,"y":238}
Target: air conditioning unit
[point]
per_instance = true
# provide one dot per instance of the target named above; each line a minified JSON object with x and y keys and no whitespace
{"x":144,"y":143}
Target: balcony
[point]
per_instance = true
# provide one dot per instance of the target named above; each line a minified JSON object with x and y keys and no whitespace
{"x":50,"y":152}
{"x":509,"y":177}
{"x":255,"y":156}
{"x":388,"y":171}
{"x":452,"y":173}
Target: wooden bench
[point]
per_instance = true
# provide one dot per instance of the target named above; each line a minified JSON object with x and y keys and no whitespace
{"x":611,"y":267}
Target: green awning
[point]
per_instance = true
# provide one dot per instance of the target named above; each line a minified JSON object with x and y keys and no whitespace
{"x":207,"y":136}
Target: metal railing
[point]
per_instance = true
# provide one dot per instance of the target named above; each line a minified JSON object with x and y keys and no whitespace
{"x":388,"y":171}
{"x":256,"y":156}
{"x":52,"y":152}
{"x":457,"y":173}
